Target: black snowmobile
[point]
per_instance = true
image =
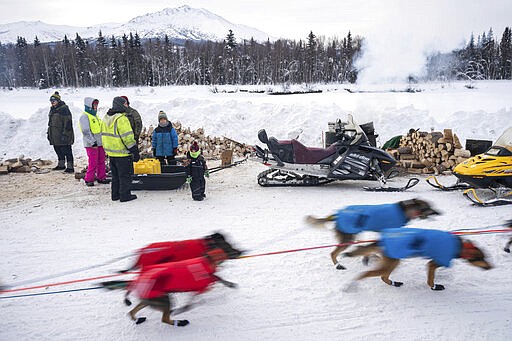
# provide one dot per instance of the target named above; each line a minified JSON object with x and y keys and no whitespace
{"x":350,"y":157}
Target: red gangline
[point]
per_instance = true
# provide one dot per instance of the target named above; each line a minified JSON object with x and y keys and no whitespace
{"x":508,"y":230}
{"x":307,"y":248}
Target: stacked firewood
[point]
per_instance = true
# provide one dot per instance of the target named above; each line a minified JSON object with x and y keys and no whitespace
{"x":212,"y":147}
{"x":431,"y":153}
{"x":22,"y":165}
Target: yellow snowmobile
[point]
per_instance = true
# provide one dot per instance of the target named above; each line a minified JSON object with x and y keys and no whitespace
{"x":487,"y":177}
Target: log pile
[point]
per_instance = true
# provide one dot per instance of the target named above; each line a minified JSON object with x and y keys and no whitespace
{"x":431,"y":153}
{"x":212,"y":147}
{"x":22,"y":165}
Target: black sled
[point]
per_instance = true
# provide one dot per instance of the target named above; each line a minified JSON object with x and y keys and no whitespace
{"x":172,"y":177}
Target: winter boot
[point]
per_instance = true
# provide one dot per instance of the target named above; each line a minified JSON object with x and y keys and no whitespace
{"x":70,"y":168}
{"x":130,"y":198}
{"x":60,"y":165}
{"x":89,"y":183}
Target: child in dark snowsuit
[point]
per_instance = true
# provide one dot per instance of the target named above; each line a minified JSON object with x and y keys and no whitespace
{"x":196,"y":171}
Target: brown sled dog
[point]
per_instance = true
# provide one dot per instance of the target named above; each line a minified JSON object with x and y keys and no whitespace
{"x":155,"y":285}
{"x":359,"y":218}
{"x":438,"y":246}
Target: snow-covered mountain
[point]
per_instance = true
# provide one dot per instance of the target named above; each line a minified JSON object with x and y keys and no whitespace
{"x":183,"y":22}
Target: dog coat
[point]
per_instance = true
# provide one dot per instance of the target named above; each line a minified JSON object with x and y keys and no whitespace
{"x":195,"y":274}
{"x":356,"y":218}
{"x":173,"y":251}
{"x":440,"y":246}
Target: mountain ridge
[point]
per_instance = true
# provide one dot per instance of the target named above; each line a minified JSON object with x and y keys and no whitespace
{"x":181,"y":23}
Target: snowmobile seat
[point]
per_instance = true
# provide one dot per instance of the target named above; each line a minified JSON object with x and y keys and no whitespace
{"x":307,"y":155}
{"x":282,"y":149}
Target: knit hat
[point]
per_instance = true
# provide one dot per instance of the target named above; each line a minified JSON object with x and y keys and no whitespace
{"x":55,"y":97}
{"x":126,"y":98}
{"x":161,"y":115}
{"x":194,"y":147}
{"x":118,"y":104}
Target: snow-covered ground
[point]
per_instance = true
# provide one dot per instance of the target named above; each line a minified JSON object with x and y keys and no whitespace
{"x":52,"y":223}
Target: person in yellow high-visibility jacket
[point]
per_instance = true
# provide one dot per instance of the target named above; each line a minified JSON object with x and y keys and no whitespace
{"x":119,"y":144}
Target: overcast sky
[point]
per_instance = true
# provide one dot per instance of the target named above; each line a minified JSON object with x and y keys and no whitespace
{"x":412,"y":27}
{"x":281,"y":18}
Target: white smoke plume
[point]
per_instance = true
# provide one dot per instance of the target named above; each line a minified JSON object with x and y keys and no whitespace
{"x":397,"y":44}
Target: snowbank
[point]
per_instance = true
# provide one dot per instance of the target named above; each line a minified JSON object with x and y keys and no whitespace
{"x":472,"y":113}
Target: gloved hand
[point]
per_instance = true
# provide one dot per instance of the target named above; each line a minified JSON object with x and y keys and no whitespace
{"x":189,"y":179}
{"x":135,"y":153}
{"x":153,"y":150}
{"x":207,"y":174}
{"x":136,"y":157}
{"x":175,"y":151}
{"x":94,"y":144}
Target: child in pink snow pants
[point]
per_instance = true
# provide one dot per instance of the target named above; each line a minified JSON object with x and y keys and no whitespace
{"x":90,"y":125}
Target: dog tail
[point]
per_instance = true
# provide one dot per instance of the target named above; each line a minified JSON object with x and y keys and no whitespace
{"x":318,"y":222}
{"x":113,"y":285}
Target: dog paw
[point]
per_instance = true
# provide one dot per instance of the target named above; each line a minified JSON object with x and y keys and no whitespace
{"x":437,"y":287}
{"x":340,"y":267}
{"x":507,"y":250}
{"x":397,"y":284}
{"x":182,"y":323}
{"x":140,"y":320}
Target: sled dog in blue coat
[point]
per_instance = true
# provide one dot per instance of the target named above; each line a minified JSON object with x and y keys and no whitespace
{"x":358,"y":218}
{"x":438,"y":246}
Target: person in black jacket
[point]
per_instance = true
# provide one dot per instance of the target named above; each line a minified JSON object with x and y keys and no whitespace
{"x":196,"y":171}
{"x":60,"y":133}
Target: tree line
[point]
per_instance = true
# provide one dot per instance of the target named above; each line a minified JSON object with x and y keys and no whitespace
{"x":130,"y":61}
{"x":482,"y":58}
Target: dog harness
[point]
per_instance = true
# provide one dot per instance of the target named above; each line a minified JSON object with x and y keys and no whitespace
{"x":173,"y":251}
{"x":356,"y":218}
{"x":440,"y":246}
{"x":195,"y":274}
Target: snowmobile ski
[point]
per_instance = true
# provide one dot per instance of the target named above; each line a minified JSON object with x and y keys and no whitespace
{"x":436,"y":184}
{"x":489,"y":197}
{"x":411,"y":183}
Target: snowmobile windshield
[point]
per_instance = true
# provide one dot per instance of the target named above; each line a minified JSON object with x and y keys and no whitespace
{"x":505,"y":140}
{"x":352,"y":128}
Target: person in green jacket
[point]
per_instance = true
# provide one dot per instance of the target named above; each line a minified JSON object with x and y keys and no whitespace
{"x":60,"y":133}
{"x":135,"y":120}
